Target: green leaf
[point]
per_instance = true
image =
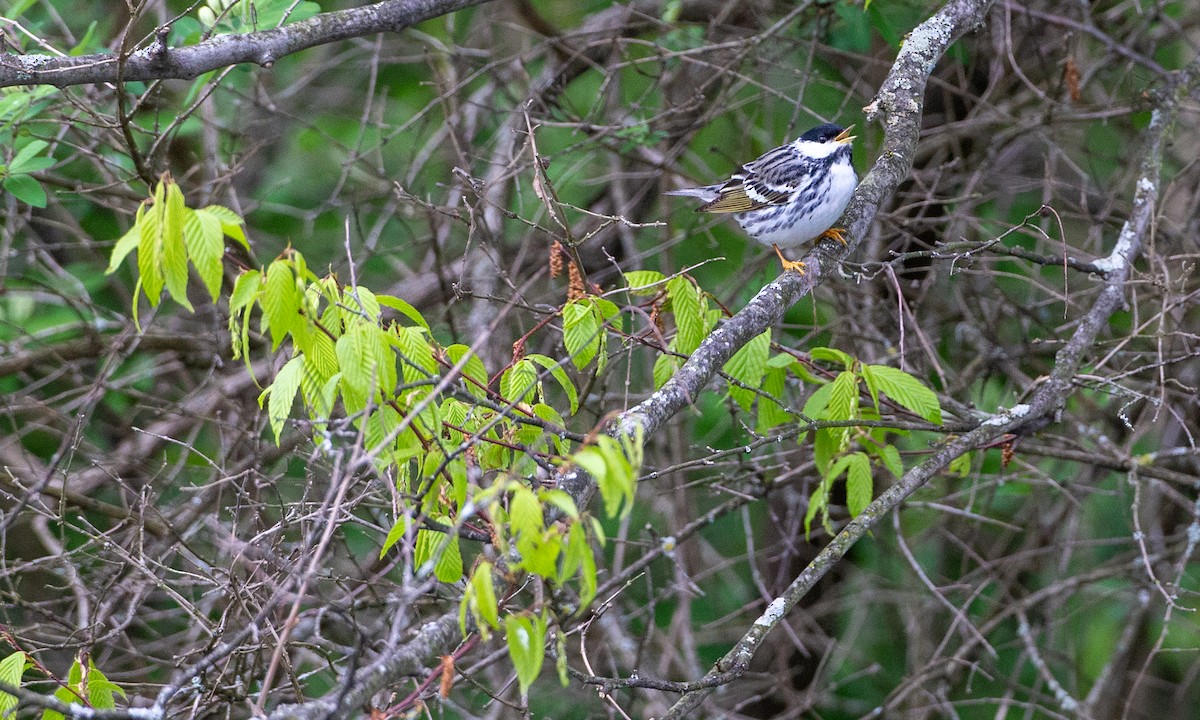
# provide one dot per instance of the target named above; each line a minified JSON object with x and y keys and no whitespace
{"x":665,"y":366}
{"x":770,"y":413}
{"x":395,"y":535}
{"x":21,"y":162}
{"x":418,"y":363}
{"x":905,"y":390}
{"x":891,"y":460}
{"x":485,"y":594}
{"x":960,"y":466}
{"x":561,"y":500}
{"x":519,"y":383}
{"x":747,"y":366}
{"x":814,"y":406}
{"x":150,"y":251}
{"x":688,"y":308}
{"x":280,"y":302}
{"x":283,"y":394}
{"x":205,"y":245}
{"x":858,"y":483}
{"x":818,"y":502}
{"x":449,"y":565}
{"x":100,"y":690}
{"x":525,"y":512}
{"x":174,"y":253}
{"x":557,"y":372}
{"x":526,"y":638}
{"x":11,"y":670}
{"x":473,"y":372}
{"x":231,"y":223}
{"x":581,"y":332}
{"x":831,"y":355}
{"x":124,"y":246}
{"x":843,"y":397}
{"x":403,"y":308}
{"x":26,"y":189}
{"x":641,"y":282}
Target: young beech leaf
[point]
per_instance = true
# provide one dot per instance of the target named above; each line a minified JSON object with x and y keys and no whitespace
{"x":688,"y":306}
{"x":526,"y":637}
{"x":905,"y":390}
{"x":747,"y":366}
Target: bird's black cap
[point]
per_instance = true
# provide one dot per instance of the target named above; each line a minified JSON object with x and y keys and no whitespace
{"x":823,"y":133}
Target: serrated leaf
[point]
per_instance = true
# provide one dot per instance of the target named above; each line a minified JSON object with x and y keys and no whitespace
{"x":11,"y":670}
{"x":747,"y":366}
{"x":127,"y":244}
{"x":640,"y":282}
{"x":150,"y":253}
{"x":664,"y":369}
{"x":814,"y":406}
{"x":174,"y":253}
{"x":581,"y":332}
{"x":561,"y":500}
{"x":688,"y":309}
{"x":525,"y":512}
{"x":395,"y":535}
{"x":231,"y":223}
{"x":283,"y":394}
{"x":449,"y":565}
{"x":519,"y":383}
{"x":905,"y":390}
{"x":831,"y":355}
{"x":891,"y":460}
{"x":101,"y":691}
{"x":843,"y":397}
{"x":481,"y":598}
{"x":416,"y":354}
{"x":203,"y":239}
{"x":280,"y":302}
{"x":473,"y":369}
{"x":403,"y":308}
{"x":526,"y":638}
{"x":557,"y":372}
{"x":858,"y":483}
{"x":818,"y":502}
{"x":770,"y":413}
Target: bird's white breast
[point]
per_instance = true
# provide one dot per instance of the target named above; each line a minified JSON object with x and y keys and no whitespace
{"x":797,"y":222}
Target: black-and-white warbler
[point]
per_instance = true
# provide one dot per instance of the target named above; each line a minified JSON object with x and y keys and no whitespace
{"x":790,"y":195}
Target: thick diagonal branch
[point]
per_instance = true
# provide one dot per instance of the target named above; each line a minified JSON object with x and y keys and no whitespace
{"x":1046,"y":403}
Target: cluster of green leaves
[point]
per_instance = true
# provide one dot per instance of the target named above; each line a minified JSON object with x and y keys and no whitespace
{"x":167,"y":235}
{"x":853,"y":451}
{"x":457,"y":442}
{"x":688,"y":303}
{"x":91,"y":689}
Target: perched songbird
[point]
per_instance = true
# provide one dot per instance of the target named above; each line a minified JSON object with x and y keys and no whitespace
{"x":790,"y":195}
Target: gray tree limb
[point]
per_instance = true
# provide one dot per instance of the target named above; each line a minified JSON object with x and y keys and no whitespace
{"x":159,"y":62}
{"x":1046,"y":403}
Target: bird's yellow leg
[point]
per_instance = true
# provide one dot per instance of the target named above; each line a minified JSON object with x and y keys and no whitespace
{"x":834,"y":233}
{"x":792,"y":265}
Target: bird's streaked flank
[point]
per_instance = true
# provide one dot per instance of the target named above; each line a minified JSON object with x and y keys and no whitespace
{"x":792,"y":194}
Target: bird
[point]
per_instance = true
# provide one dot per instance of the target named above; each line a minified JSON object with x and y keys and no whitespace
{"x":790,"y":195}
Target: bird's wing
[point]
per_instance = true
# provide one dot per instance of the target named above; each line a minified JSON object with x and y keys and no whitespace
{"x":770,"y":180}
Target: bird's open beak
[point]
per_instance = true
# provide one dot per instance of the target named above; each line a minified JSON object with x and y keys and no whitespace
{"x":845,"y":136}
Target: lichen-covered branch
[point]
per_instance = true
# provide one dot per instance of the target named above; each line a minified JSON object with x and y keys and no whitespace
{"x":160,"y":62}
{"x":1046,"y":403}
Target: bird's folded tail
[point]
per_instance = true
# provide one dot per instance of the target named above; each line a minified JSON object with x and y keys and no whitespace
{"x":708,"y":193}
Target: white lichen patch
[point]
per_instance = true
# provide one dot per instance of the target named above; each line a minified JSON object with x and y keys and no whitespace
{"x":773,"y":613}
{"x":1005,"y":416}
